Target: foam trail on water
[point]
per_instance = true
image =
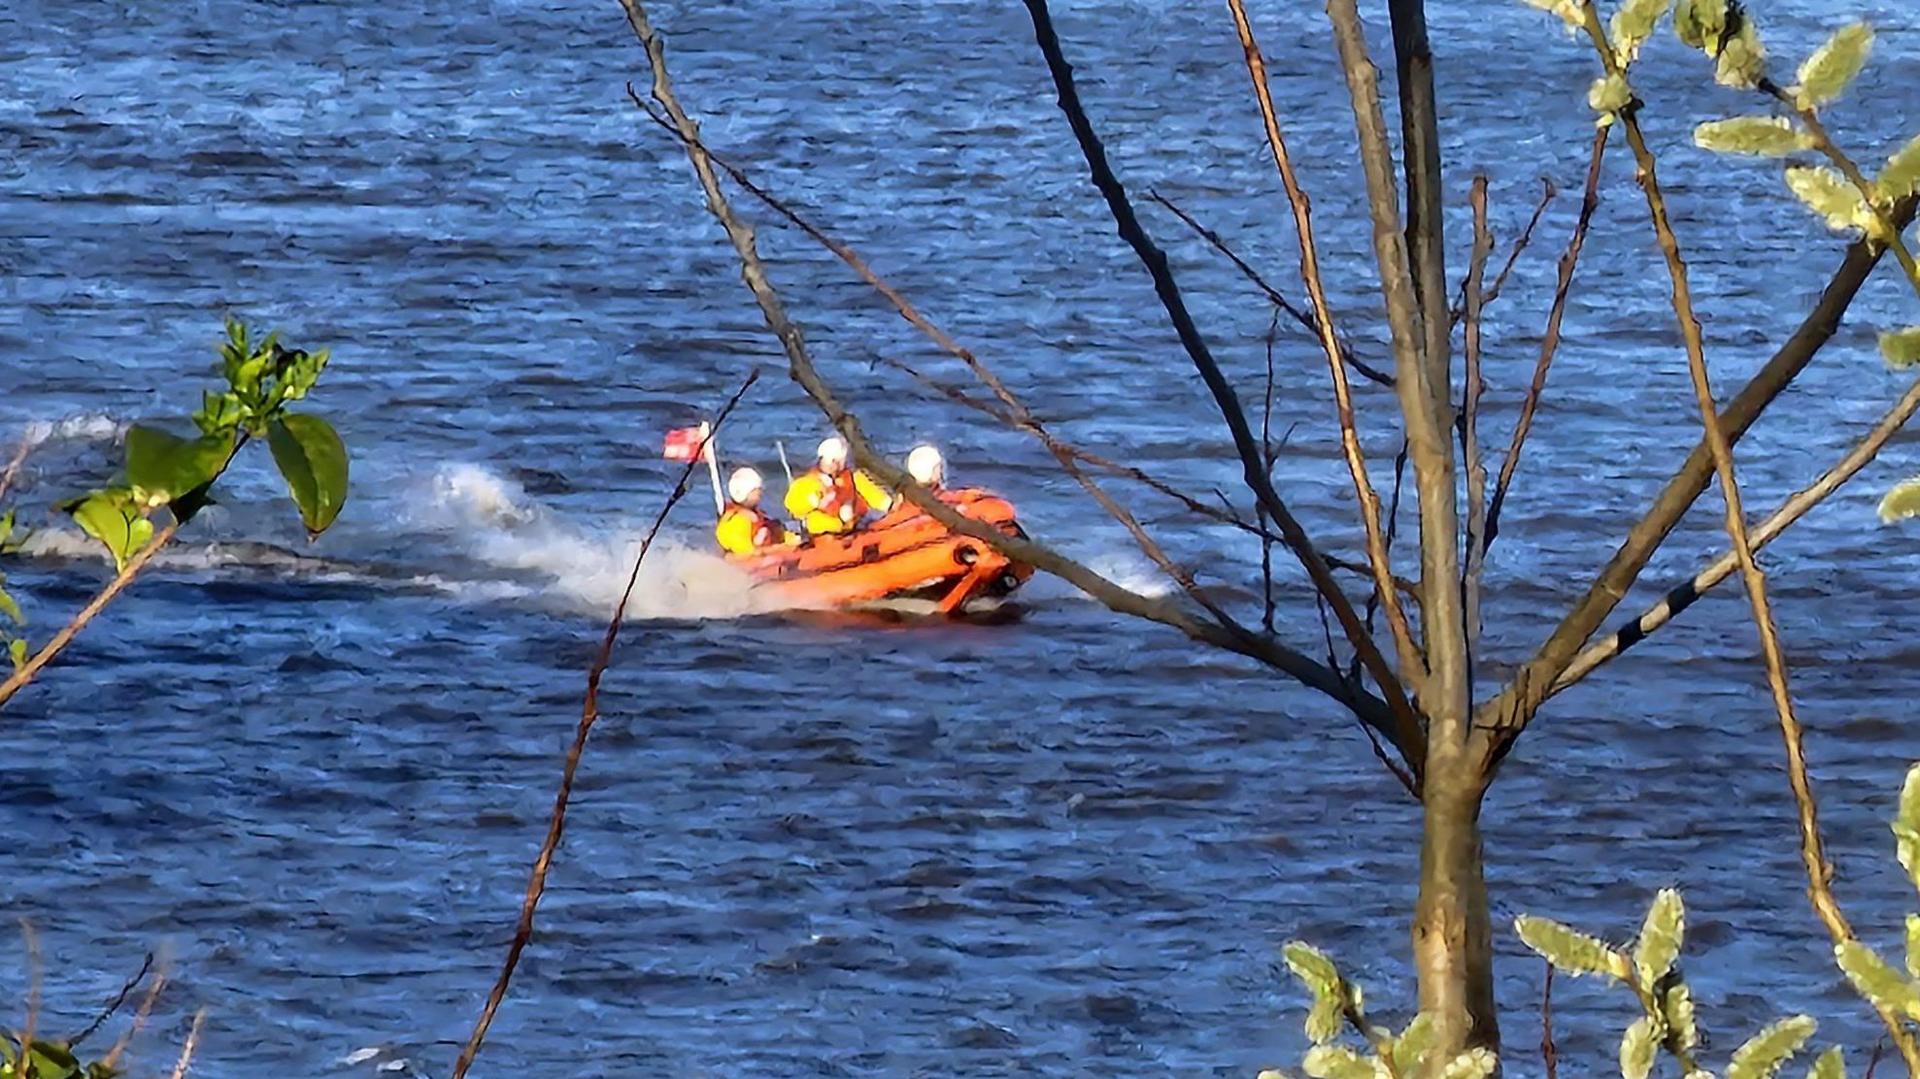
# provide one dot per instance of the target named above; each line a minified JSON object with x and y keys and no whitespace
{"x":1131,"y":572}
{"x":583,"y":570}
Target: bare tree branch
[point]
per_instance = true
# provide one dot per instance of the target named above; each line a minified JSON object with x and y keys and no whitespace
{"x":1128,"y":225}
{"x":1548,"y":192}
{"x":1412,"y":664}
{"x":1306,"y":319}
{"x":589,"y":712}
{"x":1470,"y":417}
{"x":1682,"y":596}
{"x":753,"y":272}
{"x":1426,"y":216}
{"x":1550,"y":342}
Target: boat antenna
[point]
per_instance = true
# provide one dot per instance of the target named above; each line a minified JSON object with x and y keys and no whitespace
{"x":781,"y":448}
{"x":708,"y":451}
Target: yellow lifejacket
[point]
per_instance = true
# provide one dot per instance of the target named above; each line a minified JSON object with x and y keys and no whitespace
{"x":744,"y":530}
{"x":829,"y":504}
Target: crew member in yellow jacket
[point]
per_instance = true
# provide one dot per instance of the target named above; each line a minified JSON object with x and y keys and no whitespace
{"x":830,"y":497}
{"x":743,"y":528}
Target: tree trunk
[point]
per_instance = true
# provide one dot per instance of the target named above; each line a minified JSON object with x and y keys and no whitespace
{"x":1452,"y":928}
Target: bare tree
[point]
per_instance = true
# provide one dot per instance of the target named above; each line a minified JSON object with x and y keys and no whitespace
{"x":1414,"y":694}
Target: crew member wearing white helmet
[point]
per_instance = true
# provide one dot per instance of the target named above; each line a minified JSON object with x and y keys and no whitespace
{"x":927,"y":467}
{"x":743,"y":528}
{"x":830,"y":497}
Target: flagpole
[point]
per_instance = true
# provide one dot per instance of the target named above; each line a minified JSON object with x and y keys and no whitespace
{"x":713,"y":466}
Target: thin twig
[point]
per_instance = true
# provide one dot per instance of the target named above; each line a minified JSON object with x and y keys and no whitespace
{"x":113,"y":1006}
{"x":1549,"y":1053}
{"x":1795,"y":507}
{"x":1306,"y":319}
{"x":1470,"y":419}
{"x":60,"y":640}
{"x":140,"y":1014}
{"x":31,"y":944}
{"x":193,"y":1042}
{"x":1550,"y":342}
{"x":1412,"y":663}
{"x":1812,"y":848}
{"x":13,"y":466}
{"x":589,"y":711}
{"x":1548,"y":192}
{"x":1267,"y":455}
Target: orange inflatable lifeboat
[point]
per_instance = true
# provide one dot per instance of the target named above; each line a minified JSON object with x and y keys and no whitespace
{"x":904,"y":555}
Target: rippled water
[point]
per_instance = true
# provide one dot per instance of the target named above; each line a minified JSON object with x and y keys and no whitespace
{"x":1071,"y":844}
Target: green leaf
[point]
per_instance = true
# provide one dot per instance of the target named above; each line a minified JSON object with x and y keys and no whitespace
{"x":11,"y":608}
{"x":1828,"y":194}
{"x":302,"y":371}
{"x":1902,"y":502}
{"x":1570,"y":951}
{"x":1633,"y":23}
{"x":1660,"y":937}
{"x":1608,"y":95}
{"x":17,"y":651}
{"x":1413,"y":1044}
{"x":1913,"y":945}
{"x":1676,"y":1007}
{"x":1833,"y":66}
{"x":1901,"y":177}
{"x":1742,"y":60}
{"x":1765,"y":136}
{"x":1766,"y":1051}
{"x":1568,"y":10}
{"x":1472,"y":1064}
{"x":1638,"y":1047}
{"x":1884,"y":987}
{"x":1831,"y":1064}
{"x":1906,"y":819}
{"x":1701,"y":23}
{"x":1323,"y":1019}
{"x":314,"y":462}
{"x":1313,"y":967}
{"x":1337,"y":1062}
{"x":112,"y":518}
{"x":1901,"y":348}
{"x":219,"y":414}
{"x":169,"y":469}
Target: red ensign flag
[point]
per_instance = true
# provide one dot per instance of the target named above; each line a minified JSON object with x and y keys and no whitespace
{"x":682,"y":444}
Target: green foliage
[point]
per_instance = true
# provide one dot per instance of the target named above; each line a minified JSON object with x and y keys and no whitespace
{"x":1676,"y":1010}
{"x":48,"y":1060}
{"x":1764,"y":1053}
{"x":1831,"y":1064}
{"x":1906,"y":826}
{"x":1742,"y":60}
{"x":313,"y":461}
{"x":14,"y":617}
{"x":1660,"y":937}
{"x":1633,"y":23}
{"x":1638,"y":1047}
{"x":1568,"y":10}
{"x":1569,"y":951}
{"x":1913,"y":945}
{"x":1700,"y":24}
{"x":163,"y":469}
{"x":1833,"y":66}
{"x":1472,"y":1064}
{"x":1901,"y":177}
{"x":116,"y":519}
{"x":1764,"y":136}
{"x":1829,"y":195}
{"x":1886,"y":988}
{"x":1901,"y":348}
{"x":1336,"y":1062}
{"x":1608,"y":95}
{"x":1902,"y":502}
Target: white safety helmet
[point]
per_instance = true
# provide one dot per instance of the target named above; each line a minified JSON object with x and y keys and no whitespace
{"x":743,"y":484}
{"x":832,"y":448}
{"x":926,"y":466}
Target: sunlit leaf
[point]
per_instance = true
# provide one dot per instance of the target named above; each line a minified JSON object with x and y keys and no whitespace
{"x":1766,"y":136}
{"x":1906,"y":820}
{"x":1901,"y":503}
{"x":1828,"y":194}
{"x":1701,"y":23}
{"x":169,"y":469}
{"x":1831,"y":1064}
{"x":1833,"y":66}
{"x":1337,"y":1062}
{"x":1676,"y":1006}
{"x":1633,"y":23}
{"x":1742,"y":61}
{"x":220,"y":413}
{"x":1568,"y":10}
{"x":112,"y":518}
{"x":1660,"y":937}
{"x":1323,"y":1019}
{"x":1568,"y":949}
{"x":1884,"y":987}
{"x":11,"y":608}
{"x":313,"y":461}
{"x":1608,"y":95}
{"x":1901,"y":348}
{"x":1413,"y":1044}
{"x":1913,"y":945}
{"x":17,"y":651}
{"x":1901,"y":177}
{"x":1764,"y":1053}
{"x":1472,"y":1064}
{"x":1638,"y":1047}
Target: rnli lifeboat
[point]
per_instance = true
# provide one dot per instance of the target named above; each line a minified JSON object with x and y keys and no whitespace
{"x":904,"y":555}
